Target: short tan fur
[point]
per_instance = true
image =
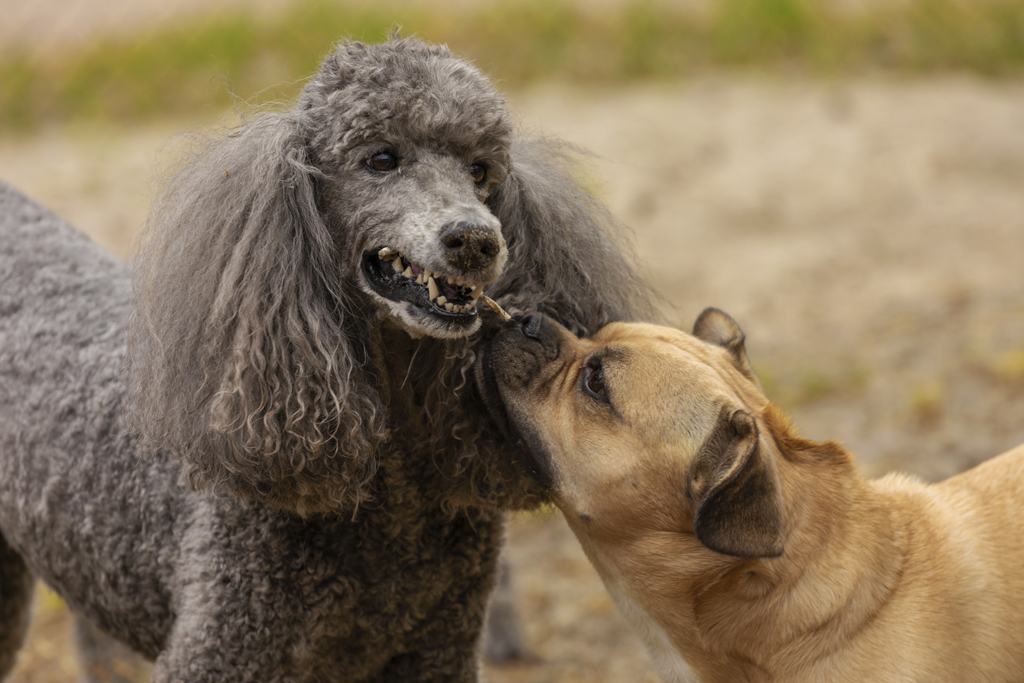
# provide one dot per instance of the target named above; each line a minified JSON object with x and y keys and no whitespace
{"x":744,"y":552}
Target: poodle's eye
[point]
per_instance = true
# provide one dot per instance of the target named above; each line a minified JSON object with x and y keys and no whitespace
{"x":382,"y":161}
{"x":479,"y":173}
{"x":593,"y":380}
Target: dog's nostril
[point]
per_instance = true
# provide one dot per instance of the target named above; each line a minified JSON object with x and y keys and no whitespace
{"x":490,"y":248}
{"x":531,"y":326}
{"x":470,"y":246}
{"x":453,"y":240}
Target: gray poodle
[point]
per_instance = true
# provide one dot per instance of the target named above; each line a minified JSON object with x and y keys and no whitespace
{"x":265,"y":461}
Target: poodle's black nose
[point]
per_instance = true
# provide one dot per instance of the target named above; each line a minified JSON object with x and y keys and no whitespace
{"x":470,"y":246}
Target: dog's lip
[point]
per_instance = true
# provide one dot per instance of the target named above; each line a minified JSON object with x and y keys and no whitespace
{"x":460,"y":300}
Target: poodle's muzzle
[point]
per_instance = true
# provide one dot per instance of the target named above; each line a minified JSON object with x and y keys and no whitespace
{"x":439,"y":302}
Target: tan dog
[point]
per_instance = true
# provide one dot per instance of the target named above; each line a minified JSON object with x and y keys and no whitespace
{"x":741,"y":551}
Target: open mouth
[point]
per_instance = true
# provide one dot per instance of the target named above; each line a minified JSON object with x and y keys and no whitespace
{"x":394,"y":276}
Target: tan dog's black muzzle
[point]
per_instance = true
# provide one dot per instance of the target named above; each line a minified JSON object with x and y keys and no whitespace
{"x":521,"y":353}
{"x":542,"y":330}
{"x":522,"y":348}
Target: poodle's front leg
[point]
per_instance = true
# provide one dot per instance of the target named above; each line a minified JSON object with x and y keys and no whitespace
{"x":227,"y":645}
{"x":212,"y":664}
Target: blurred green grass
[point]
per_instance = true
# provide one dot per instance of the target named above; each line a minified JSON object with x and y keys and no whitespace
{"x":207,"y":63}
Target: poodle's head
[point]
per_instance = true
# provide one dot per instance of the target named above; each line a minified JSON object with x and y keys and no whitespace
{"x":410,"y":142}
{"x":261,"y":349}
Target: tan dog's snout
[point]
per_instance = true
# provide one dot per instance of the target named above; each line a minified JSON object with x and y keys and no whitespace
{"x":526,"y":346}
{"x":519,"y":358}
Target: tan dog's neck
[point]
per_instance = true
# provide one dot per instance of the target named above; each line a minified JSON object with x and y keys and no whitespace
{"x":730,"y":618}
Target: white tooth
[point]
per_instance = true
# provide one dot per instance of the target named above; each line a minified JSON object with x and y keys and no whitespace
{"x":460,"y":281}
{"x":386,"y":254}
{"x":449,"y":307}
{"x":407,"y":272}
{"x":441,"y":301}
{"x":451,"y":280}
{"x":431,"y":288}
{"x":426,"y":274}
{"x":419,"y":279}
{"x":471,"y":305}
{"x":477,"y":291}
{"x":398,"y":265}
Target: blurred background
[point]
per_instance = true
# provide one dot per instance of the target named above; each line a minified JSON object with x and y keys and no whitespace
{"x":844,"y":177}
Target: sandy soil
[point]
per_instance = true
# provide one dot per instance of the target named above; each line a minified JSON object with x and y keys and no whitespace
{"x":868,"y":236}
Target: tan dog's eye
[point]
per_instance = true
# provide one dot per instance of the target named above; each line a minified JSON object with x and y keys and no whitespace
{"x":592,"y":379}
{"x":479,"y":173}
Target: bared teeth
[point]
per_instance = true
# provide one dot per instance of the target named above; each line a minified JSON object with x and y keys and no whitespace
{"x":386,"y":254}
{"x":431,"y":278}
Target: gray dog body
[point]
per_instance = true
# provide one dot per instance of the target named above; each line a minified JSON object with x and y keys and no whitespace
{"x":266,"y":463}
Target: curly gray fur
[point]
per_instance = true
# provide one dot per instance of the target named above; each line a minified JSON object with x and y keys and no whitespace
{"x":357,"y":483}
{"x":253,"y":356}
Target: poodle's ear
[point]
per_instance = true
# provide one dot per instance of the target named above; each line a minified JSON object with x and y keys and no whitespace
{"x":736,"y":490}
{"x":568,"y":257}
{"x":242,"y":353}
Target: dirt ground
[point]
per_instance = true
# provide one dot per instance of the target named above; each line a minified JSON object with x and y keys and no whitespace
{"x":868,"y":236}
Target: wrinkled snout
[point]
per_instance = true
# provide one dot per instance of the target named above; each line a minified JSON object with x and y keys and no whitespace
{"x":545,"y":332}
{"x":470,"y":246}
{"x":524,"y":349}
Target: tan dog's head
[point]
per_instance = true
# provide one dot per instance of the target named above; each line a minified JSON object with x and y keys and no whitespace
{"x":642,"y":429}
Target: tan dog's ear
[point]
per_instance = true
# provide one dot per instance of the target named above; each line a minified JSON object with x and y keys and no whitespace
{"x":717,"y":327}
{"x":739,"y":508}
